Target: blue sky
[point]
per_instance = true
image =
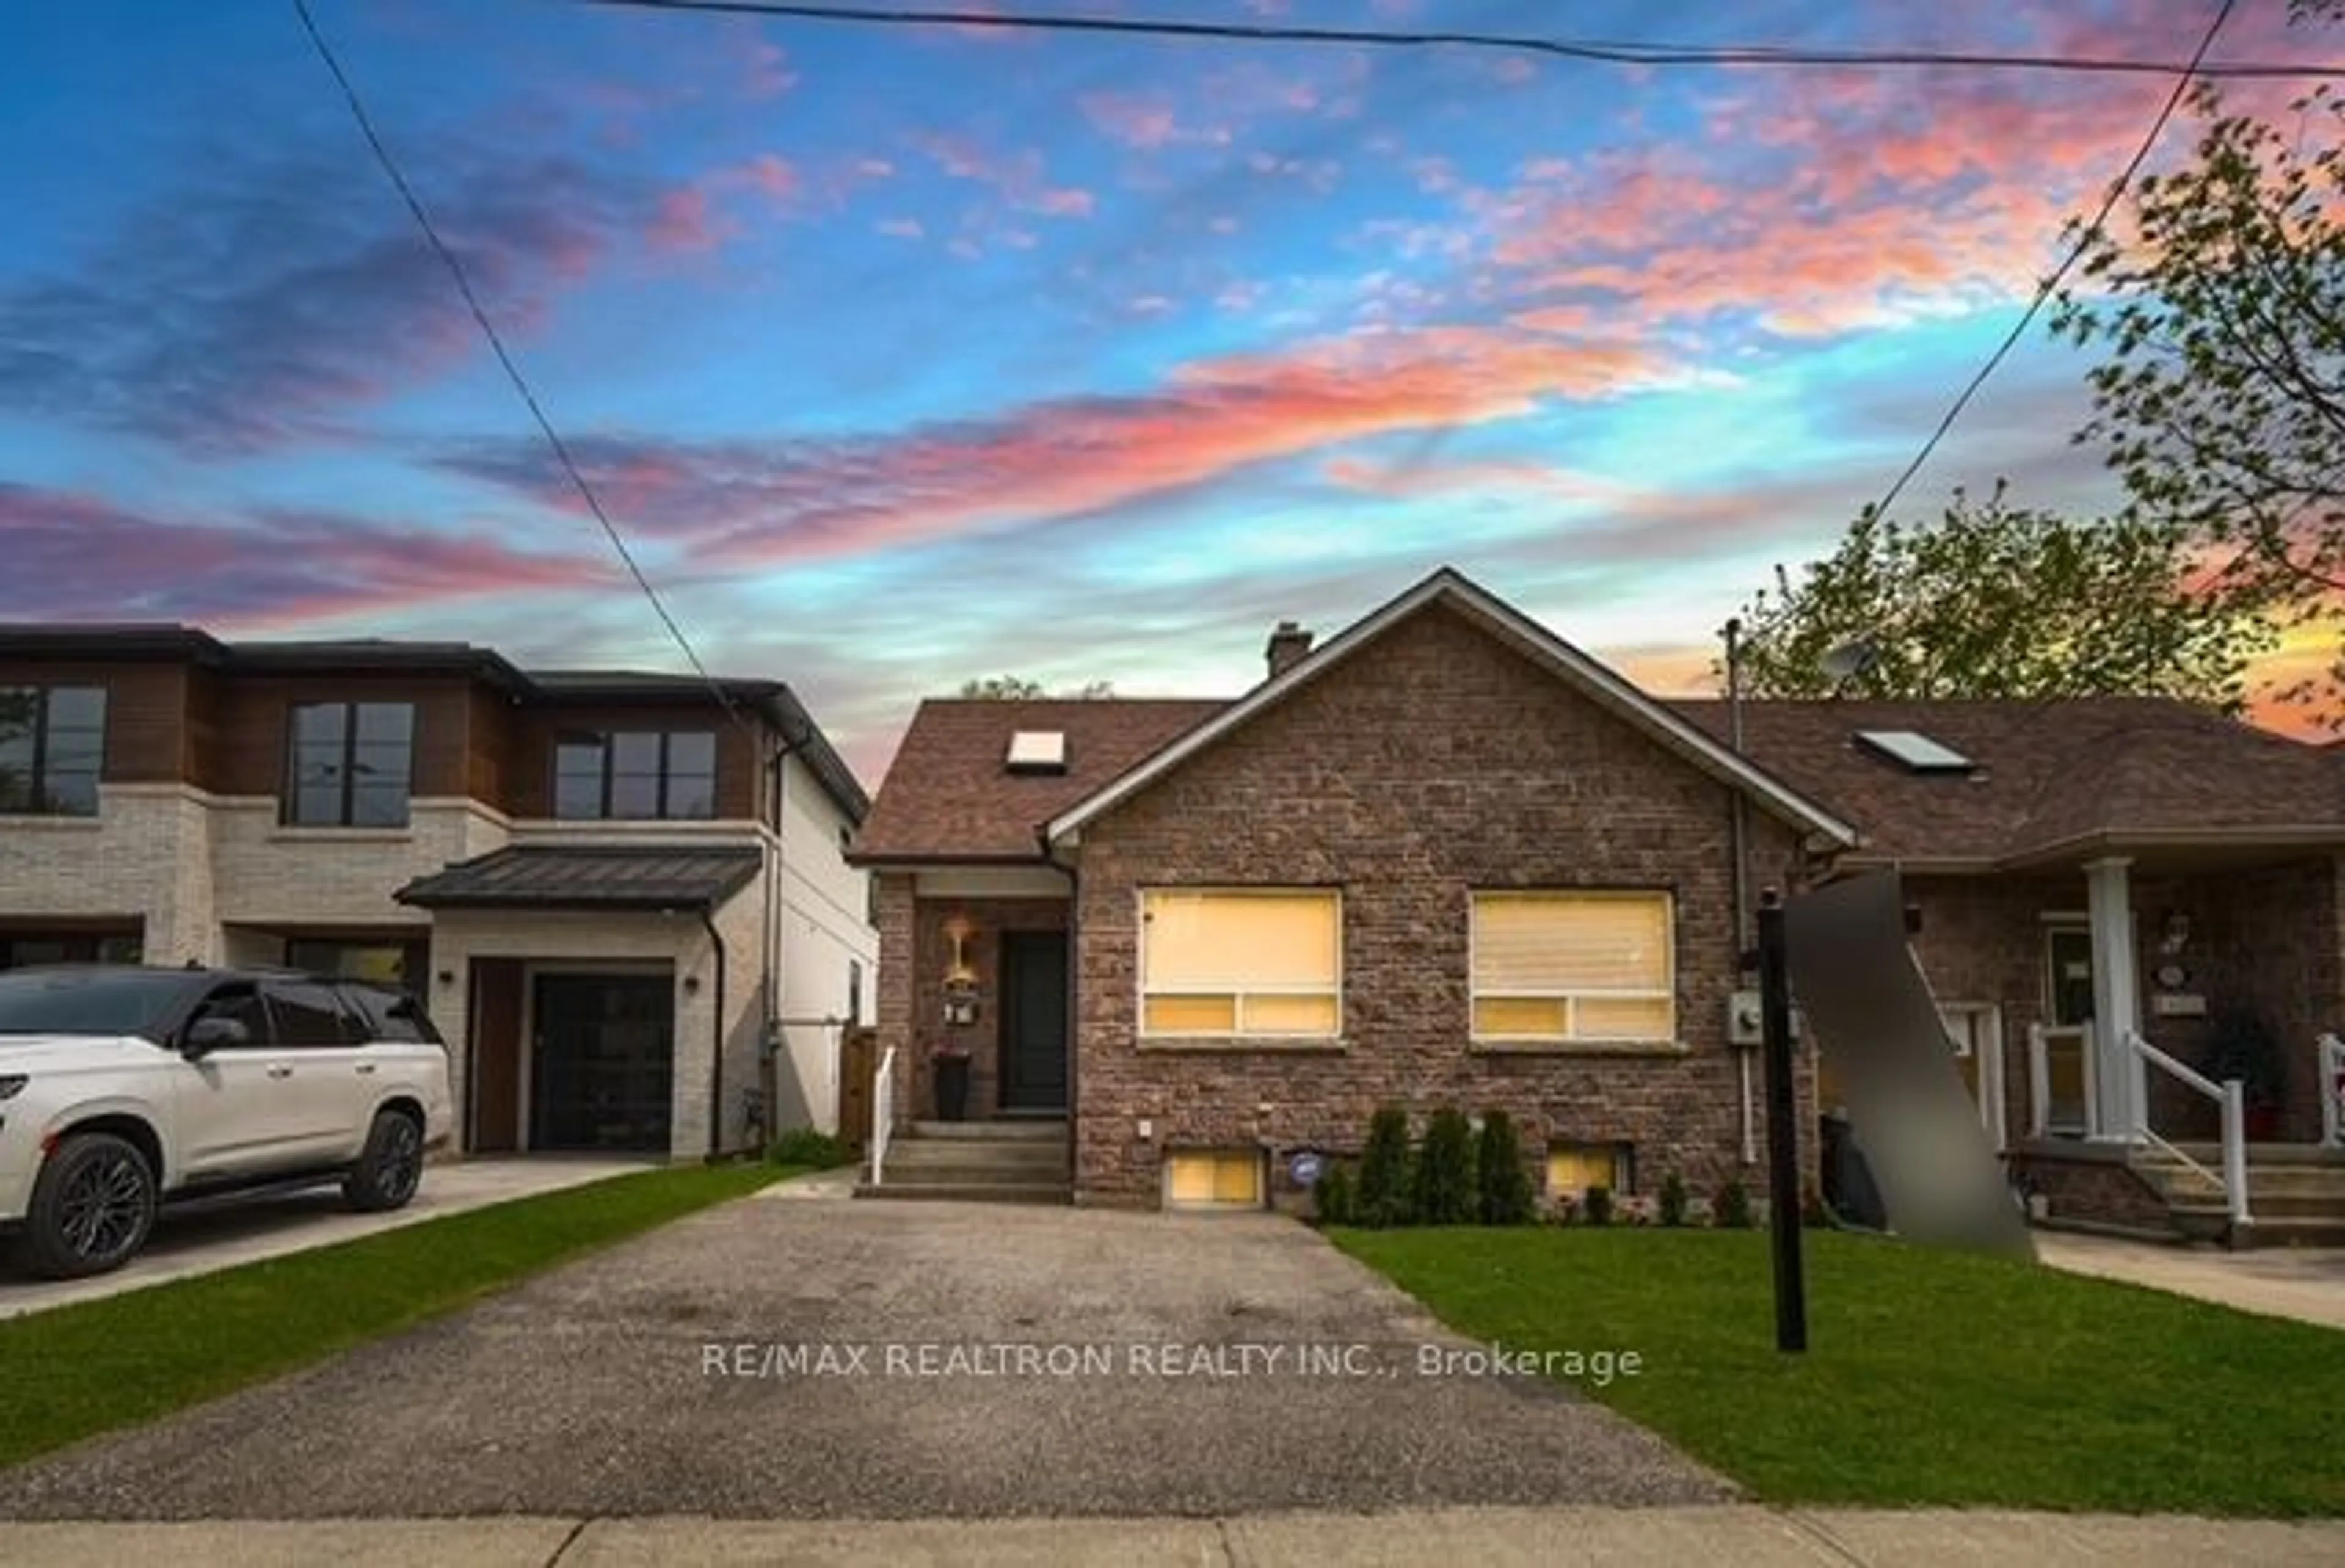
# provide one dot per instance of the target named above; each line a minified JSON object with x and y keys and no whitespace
{"x":904,"y":356}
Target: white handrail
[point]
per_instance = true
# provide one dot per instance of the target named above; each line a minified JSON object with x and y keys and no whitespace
{"x":2332,"y":1089}
{"x":883,"y":1113}
{"x":2231,"y":1094}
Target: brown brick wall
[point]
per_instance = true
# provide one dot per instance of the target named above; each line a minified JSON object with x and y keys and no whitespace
{"x":2265,"y":939}
{"x":1433,"y":762}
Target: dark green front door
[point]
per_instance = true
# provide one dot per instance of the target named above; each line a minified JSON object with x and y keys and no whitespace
{"x":605,"y":1063}
{"x":1034,"y":1021}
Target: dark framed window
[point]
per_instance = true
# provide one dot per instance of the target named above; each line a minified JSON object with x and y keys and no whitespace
{"x":352,"y":765}
{"x":52,"y":750}
{"x":635,"y":775}
{"x":855,"y":993}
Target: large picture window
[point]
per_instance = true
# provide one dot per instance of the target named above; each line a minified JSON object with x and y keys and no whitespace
{"x":352,"y":765}
{"x":635,"y":775}
{"x":1558,"y":967}
{"x":52,"y":750}
{"x":1265,"y":964}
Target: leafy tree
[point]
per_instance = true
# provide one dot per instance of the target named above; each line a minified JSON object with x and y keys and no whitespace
{"x":2218,"y":305}
{"x":1445,"y":1193}
{"x":1505,"y":1186}
{"x":1332,"y":1197}
{"x":1385,"y":1196}
{"x":1999,"y":601}
{"x":1017,"y":688}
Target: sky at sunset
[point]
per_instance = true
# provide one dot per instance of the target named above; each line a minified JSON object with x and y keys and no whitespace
{"x":903,"y":356}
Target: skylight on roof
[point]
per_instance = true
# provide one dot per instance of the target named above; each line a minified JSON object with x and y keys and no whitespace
{"x":1918,"y":751}
{"x":1038,"y":751}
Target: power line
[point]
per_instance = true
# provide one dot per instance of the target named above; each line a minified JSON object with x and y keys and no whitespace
{"x":505,"y":358}
{"x":1590,"y":51}
{"x":2118,"y":187}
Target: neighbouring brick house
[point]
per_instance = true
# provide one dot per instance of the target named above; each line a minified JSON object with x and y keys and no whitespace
{"x":1446,"y":858}
{"x":623,"y":897}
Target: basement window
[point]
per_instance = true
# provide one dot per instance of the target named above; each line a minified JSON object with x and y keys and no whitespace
{"x":1213,"y":1178}
{"x":1038,"y":751}
{"x":1917,"y":752}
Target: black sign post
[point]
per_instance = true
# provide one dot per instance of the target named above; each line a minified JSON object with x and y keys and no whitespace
{"x":1782,"y":1127}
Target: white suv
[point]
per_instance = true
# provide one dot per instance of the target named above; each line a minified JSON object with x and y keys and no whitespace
{"x":124,"y":1088}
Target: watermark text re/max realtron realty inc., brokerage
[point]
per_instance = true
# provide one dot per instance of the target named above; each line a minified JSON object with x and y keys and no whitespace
{"x":807,"y":1360}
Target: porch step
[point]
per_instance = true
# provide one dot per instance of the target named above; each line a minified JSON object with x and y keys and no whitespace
{"x":1009,"y":1161}
{"x":1012,"y":1129}
{"x":970,"y":1191}
{"x":2296,"y":1194}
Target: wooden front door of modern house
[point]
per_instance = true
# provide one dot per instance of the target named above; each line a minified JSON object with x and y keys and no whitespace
{"x":1034,"y":1021}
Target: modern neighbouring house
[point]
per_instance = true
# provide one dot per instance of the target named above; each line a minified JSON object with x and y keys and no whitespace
{"x":623,"y":898}
{"x":1446,"y":858}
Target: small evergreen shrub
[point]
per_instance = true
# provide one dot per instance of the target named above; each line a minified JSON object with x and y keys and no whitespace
{"x":805,"y":1146}
{"x":1673,"y":1199}
{"x":1731,"y":1207}
{"x":1445,"y":1193}
{"x":1331,"y":1200}
{"x":1600,"y":1206}
{"x":1386,"y":1195}
{"x":1505,"y":1186}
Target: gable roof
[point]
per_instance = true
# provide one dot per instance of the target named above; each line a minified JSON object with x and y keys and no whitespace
{"x":949,"y":796}
{"x":2051,"y":778}
{"x":1591,"y":678}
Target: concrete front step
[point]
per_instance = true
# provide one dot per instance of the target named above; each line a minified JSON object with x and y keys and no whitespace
{"x":1019,"y":1129}
{"x":955,"y":1151}
{"x":968,"y":1191}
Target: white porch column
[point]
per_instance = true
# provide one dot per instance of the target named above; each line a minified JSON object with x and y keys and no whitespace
{"x":2120,"y":1086}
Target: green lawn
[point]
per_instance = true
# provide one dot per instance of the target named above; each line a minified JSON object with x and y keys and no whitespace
{"x":75,"y":1372}
{"x":1932,"y":1378}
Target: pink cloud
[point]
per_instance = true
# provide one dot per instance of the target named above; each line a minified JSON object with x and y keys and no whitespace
{"x":747,"y":504}
{"x":1020,"y":178}
{"x":79,"y":556}
{"x":684,"y":222}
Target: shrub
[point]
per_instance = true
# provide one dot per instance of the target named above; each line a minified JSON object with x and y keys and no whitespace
{"x":1673,"y":1199}
{"x":1731,"y":1207}
{"x":1331,"y":1200}
{"x":1445,"y":1194}
{"x":1600,"y":1206}
{"x":1506,"y":1186}
{"x":1384,"y":1195}
{"x":805,"y":1146}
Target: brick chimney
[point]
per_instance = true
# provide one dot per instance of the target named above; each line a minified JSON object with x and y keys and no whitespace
{"x":1288,"y":644}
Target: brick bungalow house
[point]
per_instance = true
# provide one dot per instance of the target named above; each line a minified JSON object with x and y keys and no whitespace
{"x":1446,"y":858}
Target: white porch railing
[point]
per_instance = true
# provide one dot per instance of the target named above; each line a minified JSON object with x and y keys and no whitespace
{"x":2333,"y":1090}
{"x":2231,"y":1095}
{"x":883,"y":1113}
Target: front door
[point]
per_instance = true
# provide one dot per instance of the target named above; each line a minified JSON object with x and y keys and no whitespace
{"x":1034,"y":1021}
{"x":2068,"y":1028}
{"x":604,"y":1067}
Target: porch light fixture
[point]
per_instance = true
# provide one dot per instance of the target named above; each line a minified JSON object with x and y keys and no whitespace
{"x":447,"y":976}
{"x":958,"y":930}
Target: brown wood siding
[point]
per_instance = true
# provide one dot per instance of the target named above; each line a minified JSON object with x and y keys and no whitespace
{"x":256,"y":711}
{"x":493,"y":760}
{"x":493,"y":1046}
{"x":531,"y":787}
{"x":145,"y":713}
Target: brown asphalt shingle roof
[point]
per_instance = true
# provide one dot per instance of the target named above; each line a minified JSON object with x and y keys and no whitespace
{"x":2048,"y":774}
{"x":948,"y":797}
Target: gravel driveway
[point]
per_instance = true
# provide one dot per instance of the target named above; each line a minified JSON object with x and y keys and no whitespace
{"x":982,"y":1361}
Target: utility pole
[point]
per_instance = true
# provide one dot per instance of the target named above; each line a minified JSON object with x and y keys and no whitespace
{"x":1782,"y":1127}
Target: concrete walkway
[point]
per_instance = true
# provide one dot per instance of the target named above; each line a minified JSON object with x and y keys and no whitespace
{"x":2306,"y":1283}
{"x":223,"y":1233}
{"x":1500,"y":1538}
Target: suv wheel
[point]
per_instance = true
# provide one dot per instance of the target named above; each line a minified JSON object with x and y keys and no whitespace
{"x":93,"y":1207}
{"x":390,"y":1167}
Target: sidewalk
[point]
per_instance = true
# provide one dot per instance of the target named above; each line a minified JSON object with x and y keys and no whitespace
{"x":1499,"y":1537}
{"x":2306,"y":1283}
